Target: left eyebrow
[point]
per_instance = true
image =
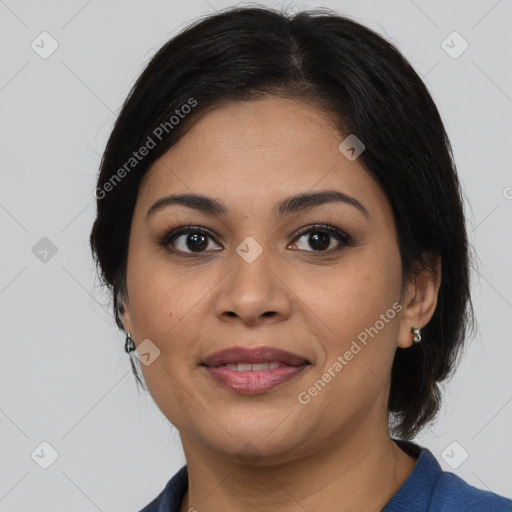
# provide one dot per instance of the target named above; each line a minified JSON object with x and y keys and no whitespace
{"x":313,"y":199}
{"x":294,"y":204}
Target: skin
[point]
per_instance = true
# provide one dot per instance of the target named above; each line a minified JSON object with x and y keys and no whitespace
{"x":269,"y":451}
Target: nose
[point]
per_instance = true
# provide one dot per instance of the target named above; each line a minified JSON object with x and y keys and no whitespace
{"x":253,"y":293}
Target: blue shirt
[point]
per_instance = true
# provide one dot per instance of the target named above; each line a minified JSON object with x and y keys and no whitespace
{"x":427,"y":489}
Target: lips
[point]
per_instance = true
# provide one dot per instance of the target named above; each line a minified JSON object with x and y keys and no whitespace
{"x":254,"y":370}
{"x":253,"y":356}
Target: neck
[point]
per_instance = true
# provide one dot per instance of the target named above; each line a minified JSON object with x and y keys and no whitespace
{"x":361,"y":472}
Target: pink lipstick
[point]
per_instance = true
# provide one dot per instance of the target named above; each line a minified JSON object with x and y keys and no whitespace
{"x":253,"y":370}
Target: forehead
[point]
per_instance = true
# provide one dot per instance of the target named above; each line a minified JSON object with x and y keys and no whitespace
{"x":253,"y":153}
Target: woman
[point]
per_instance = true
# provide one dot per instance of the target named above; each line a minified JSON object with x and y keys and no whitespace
{"x":280,"y":222}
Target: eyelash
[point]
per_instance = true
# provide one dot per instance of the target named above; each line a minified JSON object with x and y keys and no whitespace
{"x":343,"y":238}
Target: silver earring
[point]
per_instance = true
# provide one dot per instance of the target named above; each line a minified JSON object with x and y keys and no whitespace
{"x":129,"y":345}
{"x":417,"y":334}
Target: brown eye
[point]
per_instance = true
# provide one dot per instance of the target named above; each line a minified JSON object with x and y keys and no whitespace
{"x":188,"y":240}
{"x":320,"y":237}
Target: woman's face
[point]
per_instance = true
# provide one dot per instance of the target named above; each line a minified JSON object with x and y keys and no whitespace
{"x":260,"y":275}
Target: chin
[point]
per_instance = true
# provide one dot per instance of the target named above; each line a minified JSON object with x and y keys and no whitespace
{"x":252,"y":440}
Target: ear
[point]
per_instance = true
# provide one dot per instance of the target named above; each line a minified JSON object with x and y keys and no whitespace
{"x":123,"y":306}
{"x":420,"y":300}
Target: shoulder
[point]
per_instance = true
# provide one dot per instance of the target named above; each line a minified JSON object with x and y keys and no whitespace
{"x":430,"y":489}
{"x":169,"y":500}
{"x":451,"y":493}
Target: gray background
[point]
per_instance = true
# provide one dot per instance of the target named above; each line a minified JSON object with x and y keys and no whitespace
{"x":65,"y":378}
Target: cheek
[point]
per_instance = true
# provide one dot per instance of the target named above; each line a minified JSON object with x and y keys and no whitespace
{"x":168,"y":304}
{"x":353,"y":314}
{"x":351,"y":298}
{"x":156,"y":294}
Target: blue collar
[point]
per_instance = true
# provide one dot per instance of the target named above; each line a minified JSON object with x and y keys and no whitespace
{"x":427,"y":489}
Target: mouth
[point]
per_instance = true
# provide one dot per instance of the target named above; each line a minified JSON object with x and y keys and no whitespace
{"x":253,"y":371}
